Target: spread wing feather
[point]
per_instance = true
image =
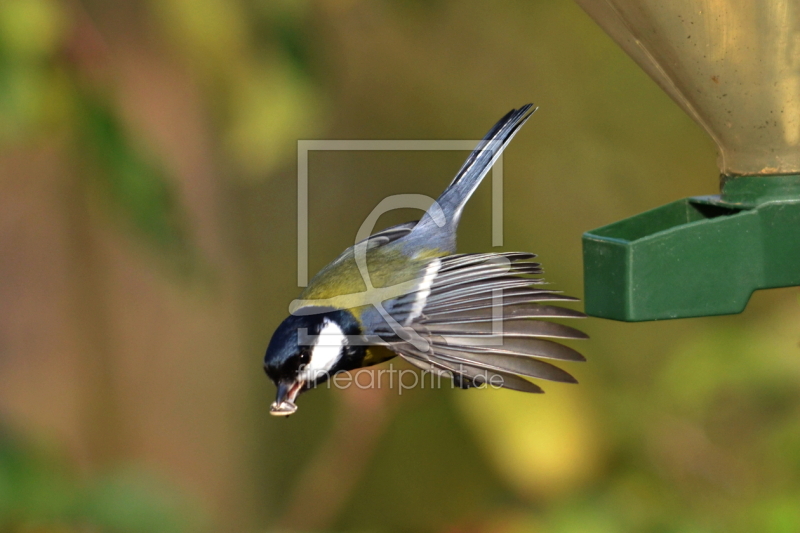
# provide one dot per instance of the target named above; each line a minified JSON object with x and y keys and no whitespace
{"x":486,"y":313}
{"x":515,"y":328}
{"x":509,"y":297}
{"x":467,"y":375}
{"x":459,"y":305}
{"x":523,"y":366}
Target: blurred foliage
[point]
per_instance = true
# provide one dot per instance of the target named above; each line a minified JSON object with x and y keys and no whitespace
{"x":254,"y":57}
{"x":558,"y":451}
{"x":130,"y":179}
{"x":31,"y":90}
{"x":41,"y":93}
{"x":681,"y":426}
{"x":268,"y":91}
{"x":40,"y":492}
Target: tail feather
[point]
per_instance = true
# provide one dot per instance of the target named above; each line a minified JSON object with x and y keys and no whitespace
{"x":475,"y":168}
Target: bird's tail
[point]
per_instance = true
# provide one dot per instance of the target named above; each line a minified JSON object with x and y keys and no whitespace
{"x":477,"y":165}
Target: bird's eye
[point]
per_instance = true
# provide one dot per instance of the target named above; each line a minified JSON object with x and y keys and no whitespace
{"x":305,"y":356}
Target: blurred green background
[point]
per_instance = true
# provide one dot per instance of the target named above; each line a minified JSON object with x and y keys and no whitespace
{"x":148,"y":158}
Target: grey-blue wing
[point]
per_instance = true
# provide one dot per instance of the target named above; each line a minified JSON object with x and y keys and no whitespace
{"x":388,"y":235}
{"x":481,"y":319}
{"x":376,"y":240}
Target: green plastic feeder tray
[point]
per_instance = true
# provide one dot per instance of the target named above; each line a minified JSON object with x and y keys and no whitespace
{"x":731,"y":66}
{"x":698,"y":256}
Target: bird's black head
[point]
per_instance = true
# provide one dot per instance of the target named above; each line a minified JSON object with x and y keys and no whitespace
{"x":309,"y":347}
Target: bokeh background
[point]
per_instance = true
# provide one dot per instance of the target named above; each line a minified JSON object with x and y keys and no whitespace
{"x":148,"y":156}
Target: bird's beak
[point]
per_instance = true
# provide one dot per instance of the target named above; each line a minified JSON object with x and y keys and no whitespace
{"x":284,"y":403}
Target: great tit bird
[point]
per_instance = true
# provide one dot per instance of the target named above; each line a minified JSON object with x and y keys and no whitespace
{"x":403,"y":291}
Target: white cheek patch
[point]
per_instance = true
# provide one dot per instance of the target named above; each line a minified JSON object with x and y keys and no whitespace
{"x":325,"y":352}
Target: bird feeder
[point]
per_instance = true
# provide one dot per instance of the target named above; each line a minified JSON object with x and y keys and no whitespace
{"x":734,"y":67}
